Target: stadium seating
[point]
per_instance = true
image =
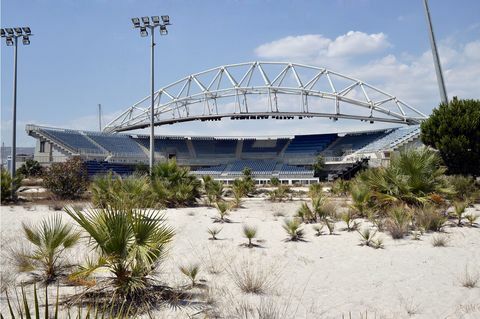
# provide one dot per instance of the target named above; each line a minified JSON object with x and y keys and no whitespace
{"x":294,"y":170}
{"x":214,"y":147}
{"x":73,"y":140}
{"x":352,"y":142}
{"x":102,"y":167}
{"x":117,"y":143}
{"x":309,"y":144}
{"x":177,"y":145}
{"x":392,"y":139}
{"x":274,"y":146}
{"x":257,"y":167}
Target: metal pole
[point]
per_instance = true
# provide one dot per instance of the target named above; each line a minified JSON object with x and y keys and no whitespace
{"x":436,"y":59}
{"x":152,"y":136}
{"x":14,"y":132}
{"x":99,"y":117}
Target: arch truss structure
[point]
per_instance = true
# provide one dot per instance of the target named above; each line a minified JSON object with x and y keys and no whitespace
{"x":261,"y":90}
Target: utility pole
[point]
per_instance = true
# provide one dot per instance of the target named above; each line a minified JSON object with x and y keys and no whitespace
{"x":436,"y":59}
{"x":99,"y":117}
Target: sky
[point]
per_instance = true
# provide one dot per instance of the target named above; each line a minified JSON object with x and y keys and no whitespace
{"x":85,"y":53}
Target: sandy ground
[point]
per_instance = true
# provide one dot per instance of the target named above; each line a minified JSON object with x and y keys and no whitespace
{"x":323,"y":277}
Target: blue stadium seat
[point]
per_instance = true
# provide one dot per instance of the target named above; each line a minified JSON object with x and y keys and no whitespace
{"x":310,"y":144}
{"x":73,"y":140}
{"x":117,"y":143}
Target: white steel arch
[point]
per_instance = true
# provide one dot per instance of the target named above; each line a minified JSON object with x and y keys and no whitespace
{"x":253,"y":90}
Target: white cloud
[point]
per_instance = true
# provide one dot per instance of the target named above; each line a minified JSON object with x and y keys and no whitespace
{"x":411,"y":77}
{"x":318,"y":47}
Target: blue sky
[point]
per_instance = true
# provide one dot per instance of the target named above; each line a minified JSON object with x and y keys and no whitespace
{"x":86,"y":52}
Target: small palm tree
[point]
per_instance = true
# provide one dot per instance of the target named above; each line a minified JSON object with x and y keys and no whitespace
{"x":214,"y":232}
{"x":471,"y":219}
{"x":249,"y":232}
{"x":349,"y":219}
{"x":330,"y":225}
{"x":367,"y":237}
{"x":50,"y":238}
{"x":318,"y":229}
{"x":191,"y":271}
{"x":294,"y":229}
{"x":223,"y":210}
{"x":459,"y":211}
{"x":130,"y":243}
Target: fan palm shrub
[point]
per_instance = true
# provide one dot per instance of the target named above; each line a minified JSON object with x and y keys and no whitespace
{"x":349,"y":219}
{"x":412,"y":177}
{"x":361,"y":198}
{"x":6,"y":185}
{"x":398,"y":222}
{"x":129,"y":244}
{"x":214,"y":232}
{"x":318,"y":229}
{"x":223,"y":209}
{"x":341,"y":187}
{"x":459,"y":211}
{"x":249,"y":232}
{"x":50,"y":239}
{"x":191,"y":271}
{"x":471,"y":218}
{"x":367,"y":238}
{"x":315,"y":190}
{"x":174,"y":186}
{"x":294,"y":229}
{"x":213,"y":189}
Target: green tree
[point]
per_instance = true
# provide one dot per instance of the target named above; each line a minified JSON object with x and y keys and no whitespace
{"x":318,"y":166}
{"x":30,"y":168}
{"x":454,"y":130}
{"x":67,"y":180}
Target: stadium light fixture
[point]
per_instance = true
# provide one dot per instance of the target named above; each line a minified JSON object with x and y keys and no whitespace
{"x":162,"y":25}
{"x":11,"y":36}
{"x":136,"y":22}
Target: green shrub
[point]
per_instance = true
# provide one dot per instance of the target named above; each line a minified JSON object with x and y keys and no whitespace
{"x":50,"y":239}
{"x":398,"y":222}
{"x":464,"y":186}
{"x":129,"y":243}
{"x":294,"y":229}
{"x":213,"y":189}
{"x":30,"y":168}
{"x":341,"y":187}
{"x":459,"y":211}
{"x":315,"y":190}
{"x":279,"y":194}
{"x":249,"y":232}
{"x":6,"y":184}
{"x":67,"y":180}
{"x":174,"y":186}
{"x":274,"y":181}
{"x":429,"y":218}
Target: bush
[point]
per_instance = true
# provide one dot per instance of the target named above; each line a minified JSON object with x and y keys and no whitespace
{"x":464,"y":186}
{"x":398,"y":222}
{"x":50,"y":239}
{"x":129,"y":244}
{"x":452,"y":129}
{"x":174,"y":186}
{"x":439,"y":241}
{"x":249,"y":232}
{"x":279,"y":194}
{"x":67,"y":180}
{"x":213,"y":189}
{"x":294,"y":230}
{"x":429,"y":218}
{"x":274,"y":181}
{"x":30,"y":168}
{"x":341,"y":187}
{"x":110,"y":190}
{"x":6,"y":184}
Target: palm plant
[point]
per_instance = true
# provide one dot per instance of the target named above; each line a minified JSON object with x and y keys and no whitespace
{"x":330,"y":225}
{"x":214,"y":232}
{"x":318,"y":229}
{"x":213,"y":189}
{"x":315,"y":190}
{"x":294,"y":229}
{"x":50,"y":240}
{"x":361,"y":198}
{"x":471,"y":218}
{"x":341,"y":187}
{"x":459,"y":211}
{"x":367,"y":237}
{"x":223,"y":208}
{"x":6,"y":185}
{"x":249,"y":232}
{"x":305,"y":213}
{"x":191,"y":271}
{"x":349,"y":219}
{"x":129,"y":243}
{"x":173,"y":185}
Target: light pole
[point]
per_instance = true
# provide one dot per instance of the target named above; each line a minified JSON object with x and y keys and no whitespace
{"x":11,"y":36}
{"x":143,"y":24}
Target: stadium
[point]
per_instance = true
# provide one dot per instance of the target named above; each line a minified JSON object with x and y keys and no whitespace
{"x":247,"y":92}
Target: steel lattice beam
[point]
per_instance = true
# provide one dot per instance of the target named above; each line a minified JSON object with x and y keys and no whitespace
{"x":224,"y":91}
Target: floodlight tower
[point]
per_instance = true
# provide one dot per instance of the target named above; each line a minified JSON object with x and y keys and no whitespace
{"x":143,"y":24}
{"x":11,"y":36}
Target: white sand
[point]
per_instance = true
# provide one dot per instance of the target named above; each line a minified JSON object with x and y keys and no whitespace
{"x":324,"y":277}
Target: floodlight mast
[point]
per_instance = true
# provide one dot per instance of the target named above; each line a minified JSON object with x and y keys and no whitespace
{"x":143,"y":24}
{"x":11,"y":38}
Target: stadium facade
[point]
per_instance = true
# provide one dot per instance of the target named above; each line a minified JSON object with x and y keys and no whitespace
{"x":288,"y":158}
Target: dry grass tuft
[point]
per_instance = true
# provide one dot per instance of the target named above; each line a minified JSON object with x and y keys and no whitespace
{"x":440,"y":240}
{"x":469,"y":279}
{"x":252,"y":276}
